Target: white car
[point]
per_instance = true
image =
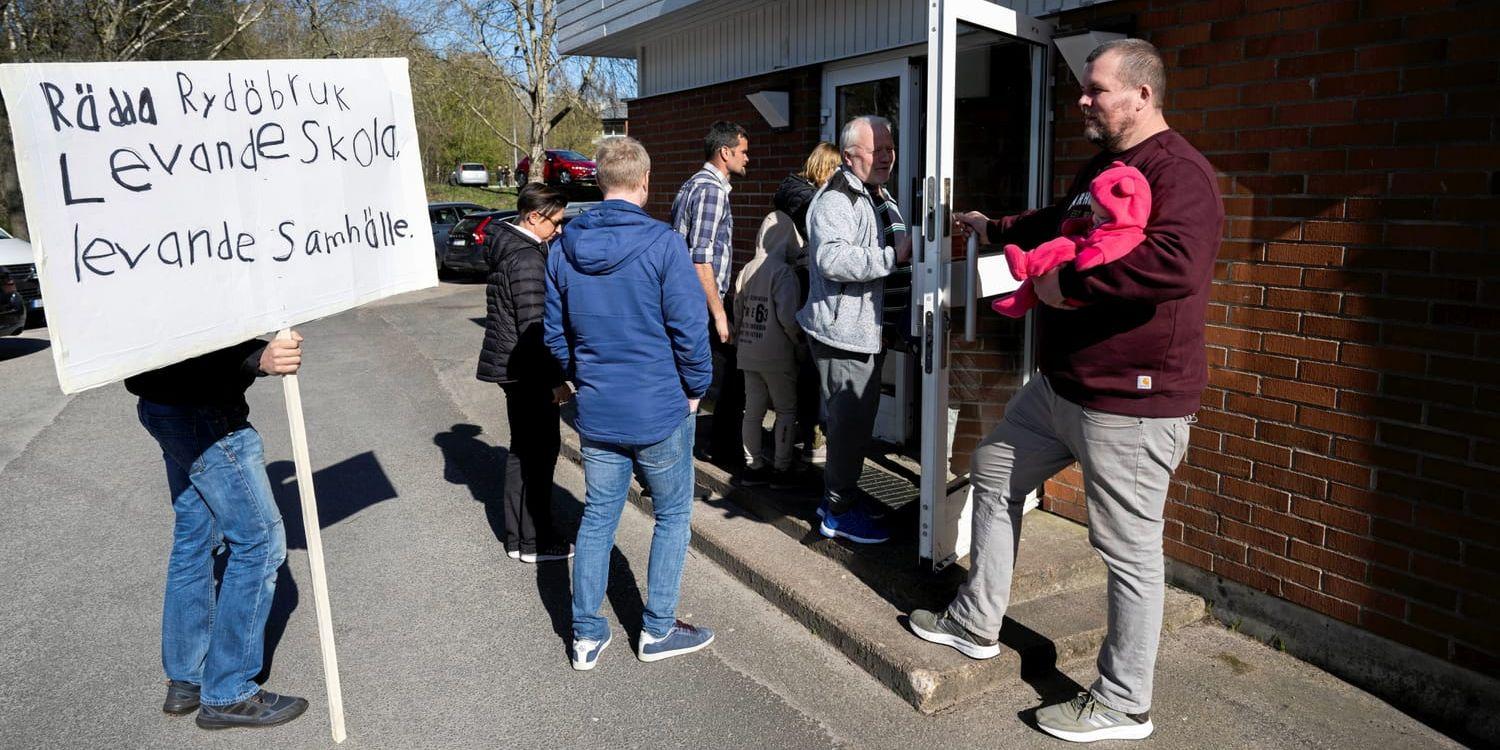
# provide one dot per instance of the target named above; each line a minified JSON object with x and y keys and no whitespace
{"x":470,"y":173}
{"x":20,"y":292}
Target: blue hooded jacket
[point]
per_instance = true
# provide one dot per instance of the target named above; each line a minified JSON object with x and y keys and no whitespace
{"x":627,"y":319}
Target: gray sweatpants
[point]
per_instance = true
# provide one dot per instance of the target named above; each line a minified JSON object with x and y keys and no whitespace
{"x":1127,"y":463}
{"x":850,"y":385}
{"x":778,"y":390}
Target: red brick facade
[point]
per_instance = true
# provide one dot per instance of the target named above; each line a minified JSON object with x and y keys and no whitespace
{"x":1347,"y":456}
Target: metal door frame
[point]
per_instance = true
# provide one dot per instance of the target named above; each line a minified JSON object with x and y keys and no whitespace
{"x":944,"y":525}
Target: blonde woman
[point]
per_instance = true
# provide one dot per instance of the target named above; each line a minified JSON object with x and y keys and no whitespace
{"x":797,"y":190}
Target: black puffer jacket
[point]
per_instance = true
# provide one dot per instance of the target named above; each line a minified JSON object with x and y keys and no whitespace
{"x":793,"y":197}
{"x":513,"y":348}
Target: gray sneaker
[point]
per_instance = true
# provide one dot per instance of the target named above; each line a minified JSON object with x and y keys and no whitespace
{"x":940,"y":628}
{"x":1084,"y":719}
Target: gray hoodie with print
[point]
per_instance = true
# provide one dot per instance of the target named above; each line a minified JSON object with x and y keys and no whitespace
{"x":848,"y":267}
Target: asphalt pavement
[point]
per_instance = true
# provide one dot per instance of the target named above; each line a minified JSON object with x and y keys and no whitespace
{"x":443,"y":641}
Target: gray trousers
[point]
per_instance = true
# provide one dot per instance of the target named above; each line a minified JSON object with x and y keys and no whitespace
{"x":850,"y":385}
{"x":778,"y":390}
{"x":1127,"y":463}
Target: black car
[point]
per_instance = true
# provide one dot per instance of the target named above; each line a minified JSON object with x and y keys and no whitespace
{"x":12,"y":307}
{"x":469,"y":236}
{"x":443,"y":216}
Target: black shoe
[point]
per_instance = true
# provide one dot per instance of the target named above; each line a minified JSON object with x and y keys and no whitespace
{"x":264,"y":709}
{"x":755,"y":477}
{"x":785,"y":480}
{"x":182,"y":698}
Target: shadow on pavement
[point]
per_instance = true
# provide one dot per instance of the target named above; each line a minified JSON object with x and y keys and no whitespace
{"x":283,"y":603}
{"x":478,"y":466}
{"x":11,"y":348}
{"x":343,"y":489}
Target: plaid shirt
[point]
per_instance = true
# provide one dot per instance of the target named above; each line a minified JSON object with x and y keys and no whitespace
{"x":700,"y":213}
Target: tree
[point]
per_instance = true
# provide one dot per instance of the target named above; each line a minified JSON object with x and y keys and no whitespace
{"x":112,"y":31}
{"x":517,"y":39}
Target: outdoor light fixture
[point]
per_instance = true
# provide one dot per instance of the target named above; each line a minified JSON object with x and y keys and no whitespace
{"x":1076,"y":48}
{"x":775,"y":106}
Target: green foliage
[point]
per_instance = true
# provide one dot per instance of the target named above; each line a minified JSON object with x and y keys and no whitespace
{"x":496,"y":198}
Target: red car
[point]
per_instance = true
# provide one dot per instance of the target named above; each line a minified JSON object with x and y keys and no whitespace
{"x":564,"y":169}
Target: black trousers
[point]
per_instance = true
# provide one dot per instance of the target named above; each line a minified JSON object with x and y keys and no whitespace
{"x":726,"y":444}
{"x":535,"y":439}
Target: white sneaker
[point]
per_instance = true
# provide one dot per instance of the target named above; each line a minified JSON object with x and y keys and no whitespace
{"x":547,"y":554}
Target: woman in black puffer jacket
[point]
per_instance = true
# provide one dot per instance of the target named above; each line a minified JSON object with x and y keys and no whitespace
{"x":515,"y":356}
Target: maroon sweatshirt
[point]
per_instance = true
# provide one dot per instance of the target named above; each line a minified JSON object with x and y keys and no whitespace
{"x":1136,"y":346}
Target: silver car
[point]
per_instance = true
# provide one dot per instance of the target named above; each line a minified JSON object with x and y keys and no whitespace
{"x":470,"y":173}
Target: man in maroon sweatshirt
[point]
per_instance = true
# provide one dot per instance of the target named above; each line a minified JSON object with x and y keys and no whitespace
{"x":1122,"y":373}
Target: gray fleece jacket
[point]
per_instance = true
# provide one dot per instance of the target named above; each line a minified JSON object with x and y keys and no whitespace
{"x":848,"y":267}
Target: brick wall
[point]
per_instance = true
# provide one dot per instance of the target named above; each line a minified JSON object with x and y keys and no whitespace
{"x":1347,"y":456}
{"x":672,"y":126}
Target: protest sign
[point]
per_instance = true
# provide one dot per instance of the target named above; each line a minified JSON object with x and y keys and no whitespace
{"x":179,"y":207}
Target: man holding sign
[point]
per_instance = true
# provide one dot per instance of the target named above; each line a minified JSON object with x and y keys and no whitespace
{"x":211,"y":645}
{"x":177,"y":209}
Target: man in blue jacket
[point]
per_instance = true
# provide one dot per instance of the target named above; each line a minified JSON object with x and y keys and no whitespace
{"x":627,"y":320}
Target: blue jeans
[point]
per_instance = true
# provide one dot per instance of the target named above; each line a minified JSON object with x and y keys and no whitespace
{"x":668,"y":469}
{"x":217,"y":476}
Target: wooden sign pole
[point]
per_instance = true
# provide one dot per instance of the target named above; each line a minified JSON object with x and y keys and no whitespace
{"x":313,"y":531}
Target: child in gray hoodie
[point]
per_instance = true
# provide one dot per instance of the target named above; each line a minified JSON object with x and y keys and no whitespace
{"x":766,"y":300}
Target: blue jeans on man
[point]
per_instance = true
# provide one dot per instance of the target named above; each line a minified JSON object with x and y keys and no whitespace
{"x":221,"y":496}
{"x":667,"y":467}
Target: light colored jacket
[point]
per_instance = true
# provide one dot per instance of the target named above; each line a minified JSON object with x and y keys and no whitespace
{"x":848,"y":267}
{"x":765,"y":300}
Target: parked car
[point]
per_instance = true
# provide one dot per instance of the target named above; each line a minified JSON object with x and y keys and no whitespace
{"x":18,"y":278}
{"x":565,"y":169}
{"x":470,"y":235}
{"x":12,"y":307}
{"x":470,"y":173}
{"x":443,"y":216}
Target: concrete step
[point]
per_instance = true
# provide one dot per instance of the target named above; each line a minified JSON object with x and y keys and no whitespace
{"x":1054,"y":556}
{"x":857,"y":599}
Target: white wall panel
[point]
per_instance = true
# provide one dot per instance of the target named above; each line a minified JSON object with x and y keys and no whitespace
{"x":747,"y":41}
{"x":684,"y":44}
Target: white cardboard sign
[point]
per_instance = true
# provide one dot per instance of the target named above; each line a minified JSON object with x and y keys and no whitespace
{"x":179,"y":207}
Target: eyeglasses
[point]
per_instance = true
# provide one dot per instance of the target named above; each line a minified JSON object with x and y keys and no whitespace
{"x":556,"y":221}
{"x":891,"y":151}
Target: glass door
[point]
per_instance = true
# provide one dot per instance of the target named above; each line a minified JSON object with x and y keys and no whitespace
{"x":986,"y":149}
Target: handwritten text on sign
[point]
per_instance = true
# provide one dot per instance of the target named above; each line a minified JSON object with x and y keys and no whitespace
{"x":176,"y":208}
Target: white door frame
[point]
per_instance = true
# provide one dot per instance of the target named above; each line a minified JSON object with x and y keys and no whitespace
{"x":945,"y":515}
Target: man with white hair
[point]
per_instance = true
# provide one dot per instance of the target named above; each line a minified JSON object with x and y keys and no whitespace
{"x":857,"y":238}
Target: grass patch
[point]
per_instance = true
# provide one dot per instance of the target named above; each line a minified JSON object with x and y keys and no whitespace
{"x":491,"y":197}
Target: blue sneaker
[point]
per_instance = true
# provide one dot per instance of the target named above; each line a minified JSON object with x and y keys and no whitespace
{"x":586,"y":652}
{"x":681,"y":639}
{"x":854,"y":525}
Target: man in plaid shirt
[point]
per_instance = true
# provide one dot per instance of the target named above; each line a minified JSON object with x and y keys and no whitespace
{"x":700,"y":213}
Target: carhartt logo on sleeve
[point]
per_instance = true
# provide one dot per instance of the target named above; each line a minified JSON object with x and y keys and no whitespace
{"x":1143,"y":382}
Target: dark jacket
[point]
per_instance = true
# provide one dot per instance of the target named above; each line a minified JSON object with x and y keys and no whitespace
{"x":627,"y":319}
{"x":793,"y":198}
{"x":1136,"y":346}
{"x":513,"y":350}
{"x":217,"y":379}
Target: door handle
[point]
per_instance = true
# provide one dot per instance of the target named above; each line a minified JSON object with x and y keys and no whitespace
{"x":971,"y":289}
